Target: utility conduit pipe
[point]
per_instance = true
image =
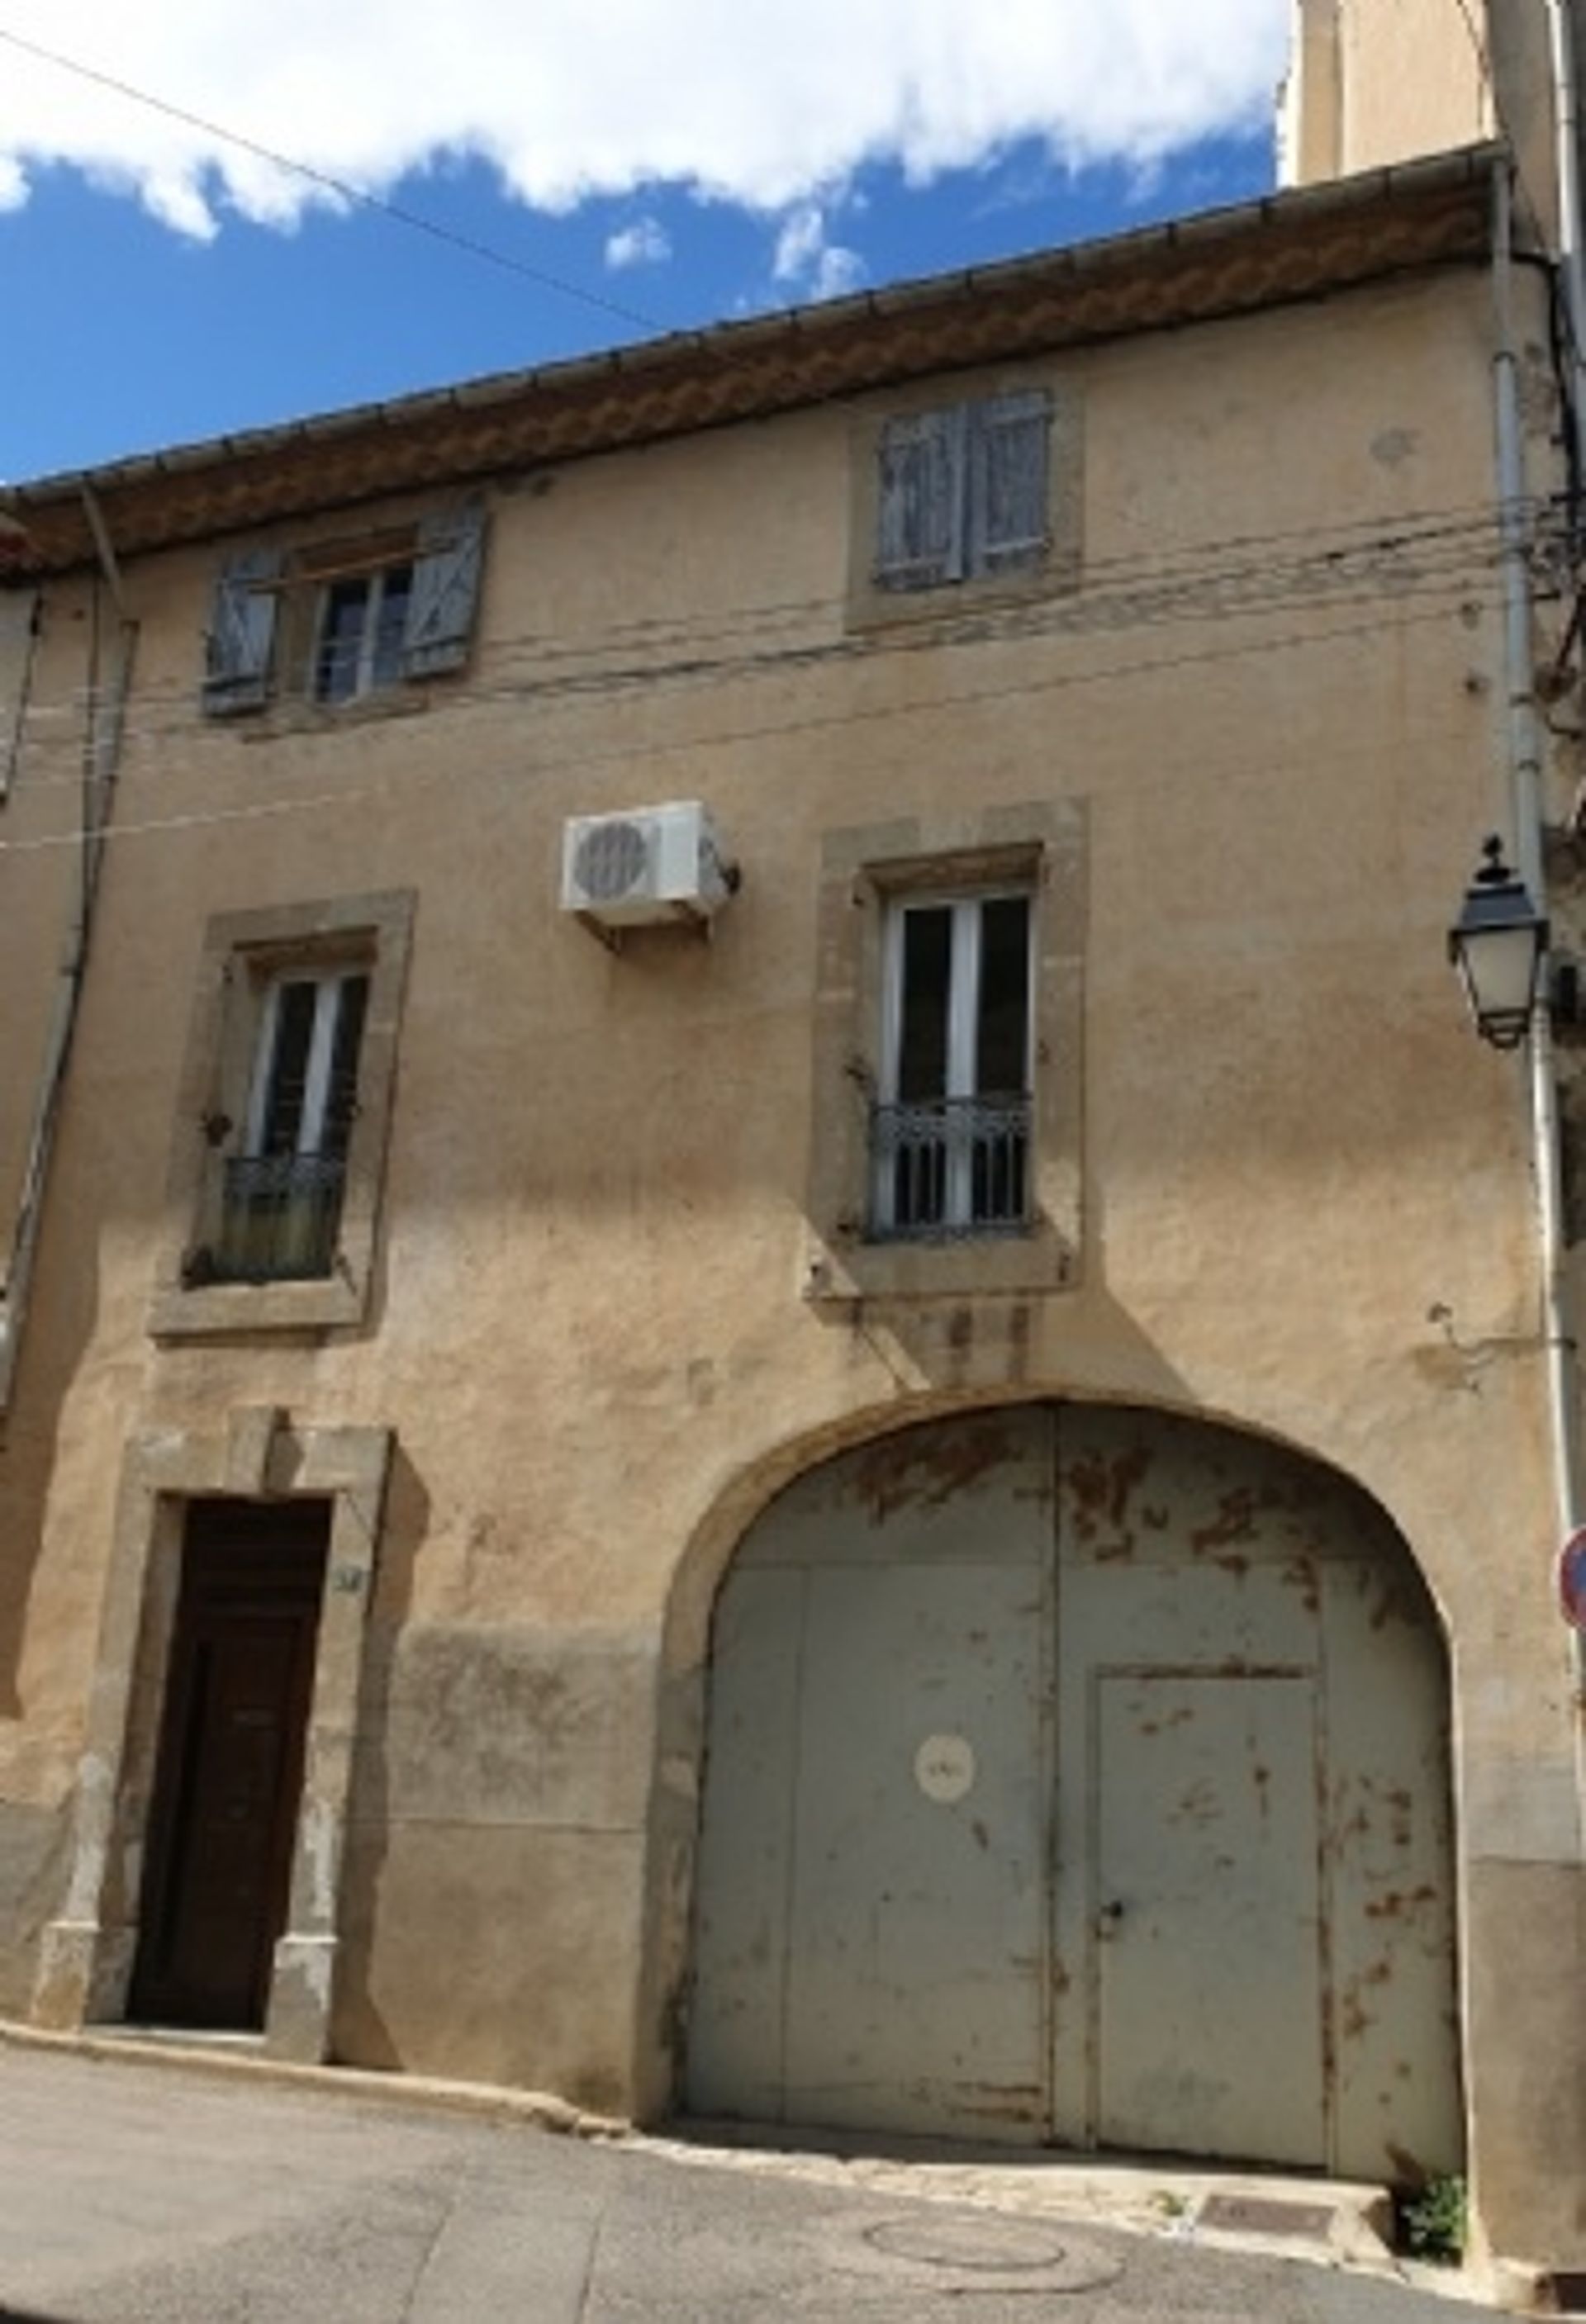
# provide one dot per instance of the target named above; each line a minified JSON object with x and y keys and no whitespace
{"x":102,"y":742}
{"x":1525,"y":752}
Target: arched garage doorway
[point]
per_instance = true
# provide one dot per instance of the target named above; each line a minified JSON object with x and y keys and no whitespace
{"x":1080,"y":1776}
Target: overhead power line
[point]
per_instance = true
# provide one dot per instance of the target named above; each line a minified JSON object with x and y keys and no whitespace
{"x":450,"y":766}
{"x":342,"y":187}
{"x":1314,"y":564}
{"x":525,"y":673}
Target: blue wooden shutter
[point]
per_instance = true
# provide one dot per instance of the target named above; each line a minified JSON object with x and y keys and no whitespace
{"x":1009,"y":439}
{"x":19,"y":630}
{"x":242,"y":633}
{"x":919,"y":528}
{"x":440,"y":623}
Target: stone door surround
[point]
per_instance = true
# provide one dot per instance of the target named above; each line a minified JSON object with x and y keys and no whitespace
{"x":86,"y":1955}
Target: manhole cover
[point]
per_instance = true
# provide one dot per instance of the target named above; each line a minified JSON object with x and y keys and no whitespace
{"x":955,"y":2251}
{"x":993,"y":2244}
{"x":1265,"y":2215}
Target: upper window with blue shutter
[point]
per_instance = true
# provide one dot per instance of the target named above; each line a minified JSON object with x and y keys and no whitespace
{"x":961,"y":493}
{"x":343,"y":621}
{"x":980,"y":496}
{"x":241,"y":632}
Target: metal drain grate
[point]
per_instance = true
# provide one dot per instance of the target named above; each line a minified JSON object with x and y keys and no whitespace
{"x":1265,"y":2215}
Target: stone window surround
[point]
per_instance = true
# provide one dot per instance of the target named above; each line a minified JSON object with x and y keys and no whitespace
{"x":1043,"y":843}
{"x":241,"y":950}
{"x":870,"y":606}
{"x":296,"y":567}
{"x":87,"y":1953}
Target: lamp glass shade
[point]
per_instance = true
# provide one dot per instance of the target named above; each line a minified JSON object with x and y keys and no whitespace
{"x":1499,"y":944}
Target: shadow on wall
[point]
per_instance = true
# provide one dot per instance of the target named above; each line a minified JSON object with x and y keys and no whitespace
{"x":943,"y":1358}
{"x":359,"y":2035}
{"x":66,"y":1298}
{"x":58,"y":1332}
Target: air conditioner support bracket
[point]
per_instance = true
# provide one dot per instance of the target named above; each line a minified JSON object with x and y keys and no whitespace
{"x":683,"y":916}
{"x":611,"y":938}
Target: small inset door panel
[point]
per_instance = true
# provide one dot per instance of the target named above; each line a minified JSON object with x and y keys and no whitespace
{"x":1209,"y":1988}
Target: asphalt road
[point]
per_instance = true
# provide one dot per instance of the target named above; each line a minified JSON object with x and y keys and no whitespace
{"x":131,"y":2194}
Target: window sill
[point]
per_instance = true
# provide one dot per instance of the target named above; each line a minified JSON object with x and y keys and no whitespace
{"x":1009,"y":1262}
{"x":873,"y":607}
{"x":212,"y":1309}
{"x":296,"y":716}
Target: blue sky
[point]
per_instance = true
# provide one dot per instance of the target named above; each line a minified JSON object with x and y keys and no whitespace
{"x":162,"y":284}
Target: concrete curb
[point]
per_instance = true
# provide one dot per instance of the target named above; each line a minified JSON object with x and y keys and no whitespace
{"x":541,"y":2109}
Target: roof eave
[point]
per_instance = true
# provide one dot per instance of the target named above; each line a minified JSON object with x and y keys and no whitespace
{"x":1304,"y":242}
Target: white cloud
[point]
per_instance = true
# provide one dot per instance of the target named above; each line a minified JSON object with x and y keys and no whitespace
{"x":645,"y":242}
{"x":839,"y":271}
{"x":807,"y":263}
{"x":759,"y":105}
{"x":14,"y":188}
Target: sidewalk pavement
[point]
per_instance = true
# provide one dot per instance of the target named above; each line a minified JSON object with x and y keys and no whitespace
{"x":300,"y":2153}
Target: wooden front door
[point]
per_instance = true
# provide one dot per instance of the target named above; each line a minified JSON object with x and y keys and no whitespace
{"x":230,"y":1767}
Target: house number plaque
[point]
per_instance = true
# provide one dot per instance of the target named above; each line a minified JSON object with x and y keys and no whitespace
{"x":944,"y":1768}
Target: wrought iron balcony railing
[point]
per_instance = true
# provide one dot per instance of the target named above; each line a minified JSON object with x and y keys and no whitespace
{"x":278,"y":1218}
{"x":955,"y":1166}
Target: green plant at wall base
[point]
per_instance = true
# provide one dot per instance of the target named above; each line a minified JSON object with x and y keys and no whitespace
{"x":1432,"y":2221}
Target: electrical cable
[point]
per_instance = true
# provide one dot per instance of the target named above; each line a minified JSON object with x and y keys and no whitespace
{"x":342,"y":187}
{"x":582,"y":759}
{"x":1456,"y":590}
{"x":1182,"y":589}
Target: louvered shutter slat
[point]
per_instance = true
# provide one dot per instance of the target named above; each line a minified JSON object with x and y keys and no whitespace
{"x":441,"y":606}
{"x":242,"y":633}
{"x":919,"y":531}
{"x":19,"y":623}
{"x":1008,"y":485}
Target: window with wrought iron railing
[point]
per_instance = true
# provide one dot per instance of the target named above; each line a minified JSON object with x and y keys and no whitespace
{"x":282,"y":1192}
{"x":950,"y":1129}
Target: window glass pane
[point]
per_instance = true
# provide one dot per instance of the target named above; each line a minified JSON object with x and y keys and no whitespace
{"x":391,"y":624}
{"x":341,"y":1096}
{"x":922,"y":1042}
{"x":281,"y":1120}
{"x":344,"y":614}
{"x":1003,"y":1034}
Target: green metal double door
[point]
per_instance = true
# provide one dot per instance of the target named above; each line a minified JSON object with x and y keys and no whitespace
{"x":1079,"y":1777}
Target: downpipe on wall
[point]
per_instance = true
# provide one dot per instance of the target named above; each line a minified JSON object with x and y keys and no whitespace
{"x":1566,"y":150}
{"x":101,"y":759}
{"x":1525,"y":772}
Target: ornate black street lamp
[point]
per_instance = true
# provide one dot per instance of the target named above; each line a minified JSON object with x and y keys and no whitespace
{"x":1499,"y":944}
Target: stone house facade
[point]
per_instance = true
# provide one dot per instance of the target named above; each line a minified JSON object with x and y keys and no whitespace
{"x":914,"y":1491}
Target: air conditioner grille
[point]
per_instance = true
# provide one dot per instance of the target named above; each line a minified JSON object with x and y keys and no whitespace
{"x":612,"y":860}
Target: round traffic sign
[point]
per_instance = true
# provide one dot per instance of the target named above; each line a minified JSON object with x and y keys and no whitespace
{"x":1572,"y":1579}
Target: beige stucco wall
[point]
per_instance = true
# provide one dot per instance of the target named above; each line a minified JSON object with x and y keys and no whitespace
{"x":1374,"y":82}
{"x":1304,"y":1204}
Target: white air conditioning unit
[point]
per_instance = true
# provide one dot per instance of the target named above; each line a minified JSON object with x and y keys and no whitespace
{"x":648,"y":864}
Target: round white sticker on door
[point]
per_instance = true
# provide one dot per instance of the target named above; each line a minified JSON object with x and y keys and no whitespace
{"x":944,"y":1767}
